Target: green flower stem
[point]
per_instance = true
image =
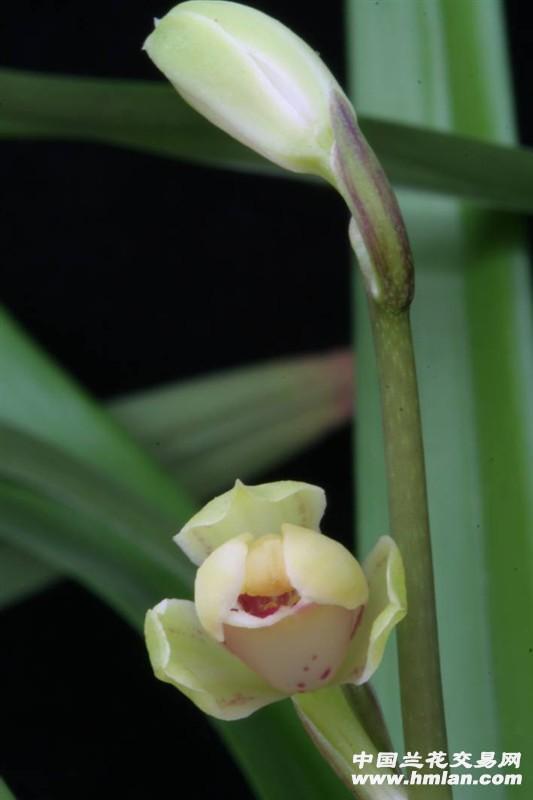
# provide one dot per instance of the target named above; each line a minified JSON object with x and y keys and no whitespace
{"x":420,"y":678}
{"x":382,"y":249}
{"x":338,"y":733}
{"x":366,"y":708}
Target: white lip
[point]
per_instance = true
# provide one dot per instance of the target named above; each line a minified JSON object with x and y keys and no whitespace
{"x":301,"y":653}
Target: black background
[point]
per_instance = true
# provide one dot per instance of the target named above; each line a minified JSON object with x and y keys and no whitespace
{"x":133,"y":270}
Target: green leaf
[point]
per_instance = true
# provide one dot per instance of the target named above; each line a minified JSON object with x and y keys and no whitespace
{"x":118,"y":522}
{"x":21,"y":575}
{"x":138,"y":114}
{"x":94,"y":530}
{"x":239,"y":423}
{"x":60,"y":502}
{"x":444,"y":63}
{"x":272,"y":771}
{"x":40,"y":399}
{"x":5,"y":793}
{"x":210,"y":430}
{"x":57,"y":535}
{"x":420,"y":157}
{"x":151,"y":117}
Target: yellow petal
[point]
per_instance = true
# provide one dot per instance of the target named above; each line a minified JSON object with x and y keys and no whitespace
{"x":219,"y":582}
{"x":387,"y":605}
{"x":301,"y":652}
{"x":257,"y":510}
{"x":265,"y":568}
{"x":181,"y":653}
{"x":321,"y":569}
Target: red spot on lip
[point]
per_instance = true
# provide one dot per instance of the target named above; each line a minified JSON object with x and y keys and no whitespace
{"x":306,"y":669}
{"x":314,"y":658}
{"x":263,"y":606}
{"x":300,"y":686}
{"x":325,"y":674}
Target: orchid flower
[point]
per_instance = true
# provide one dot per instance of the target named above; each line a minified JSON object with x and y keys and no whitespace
{"x":279,"y":608}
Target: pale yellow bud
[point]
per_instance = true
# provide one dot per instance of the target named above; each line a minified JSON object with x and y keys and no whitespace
{"x":251,"y":76}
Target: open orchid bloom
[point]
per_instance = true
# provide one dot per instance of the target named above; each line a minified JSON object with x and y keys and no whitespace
{"x":279,"y":608}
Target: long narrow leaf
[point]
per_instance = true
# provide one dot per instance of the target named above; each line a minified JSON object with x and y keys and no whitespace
{"x":443,"y":63}
{"x":37,"y":397}
{"x":63,"y":538}
{"x":500,"y":318}
{"x":21,"y":575}
{"x":86,"y":526}
{"x":153,"y":118}
{"x":5,"y":793}
{"x":45,"y":405}
{"x":239,"y":423}
{"x":210,"y":430}
{"x":124,"y":525}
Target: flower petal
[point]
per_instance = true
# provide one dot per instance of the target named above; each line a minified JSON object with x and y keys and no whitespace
{"x":181,"y":653}
{"x":250,"y":509}
{"x":387,"y":605}
{"x":321,"y":569}
{"x":299,"y":653}
{"x":218,"y":583}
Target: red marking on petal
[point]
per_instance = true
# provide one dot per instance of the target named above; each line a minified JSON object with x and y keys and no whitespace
{"x":300,"y":686}
{"x":263,"y":605}
{"x":325,"y":674}
{"x":314,"y":658}
{"x":306,"y":669}
{"x":357,"y":620}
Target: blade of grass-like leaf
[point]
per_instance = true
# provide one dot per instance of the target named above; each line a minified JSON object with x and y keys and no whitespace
{"x":152,"y":117}
{"x":138,"y":114}
{"x":5,"y":793}
{"x":421,"y":158}
{"x":62,"y":511}
{"x":39,"y":399}
{"x":21,"y":575}
{"x":68,"y":541}
{"x":210,"y":430}
{"x":235,"y":424}
{"x":260,"y":734}
{"x":135,"y":533}
{"x":443,"y":63}
{"x":498,"y":298}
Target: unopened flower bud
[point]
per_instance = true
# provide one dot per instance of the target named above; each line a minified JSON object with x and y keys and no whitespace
{"x":251,"y":76}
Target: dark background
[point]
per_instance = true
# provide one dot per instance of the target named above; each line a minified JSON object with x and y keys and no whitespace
{"x":134,"y":270}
